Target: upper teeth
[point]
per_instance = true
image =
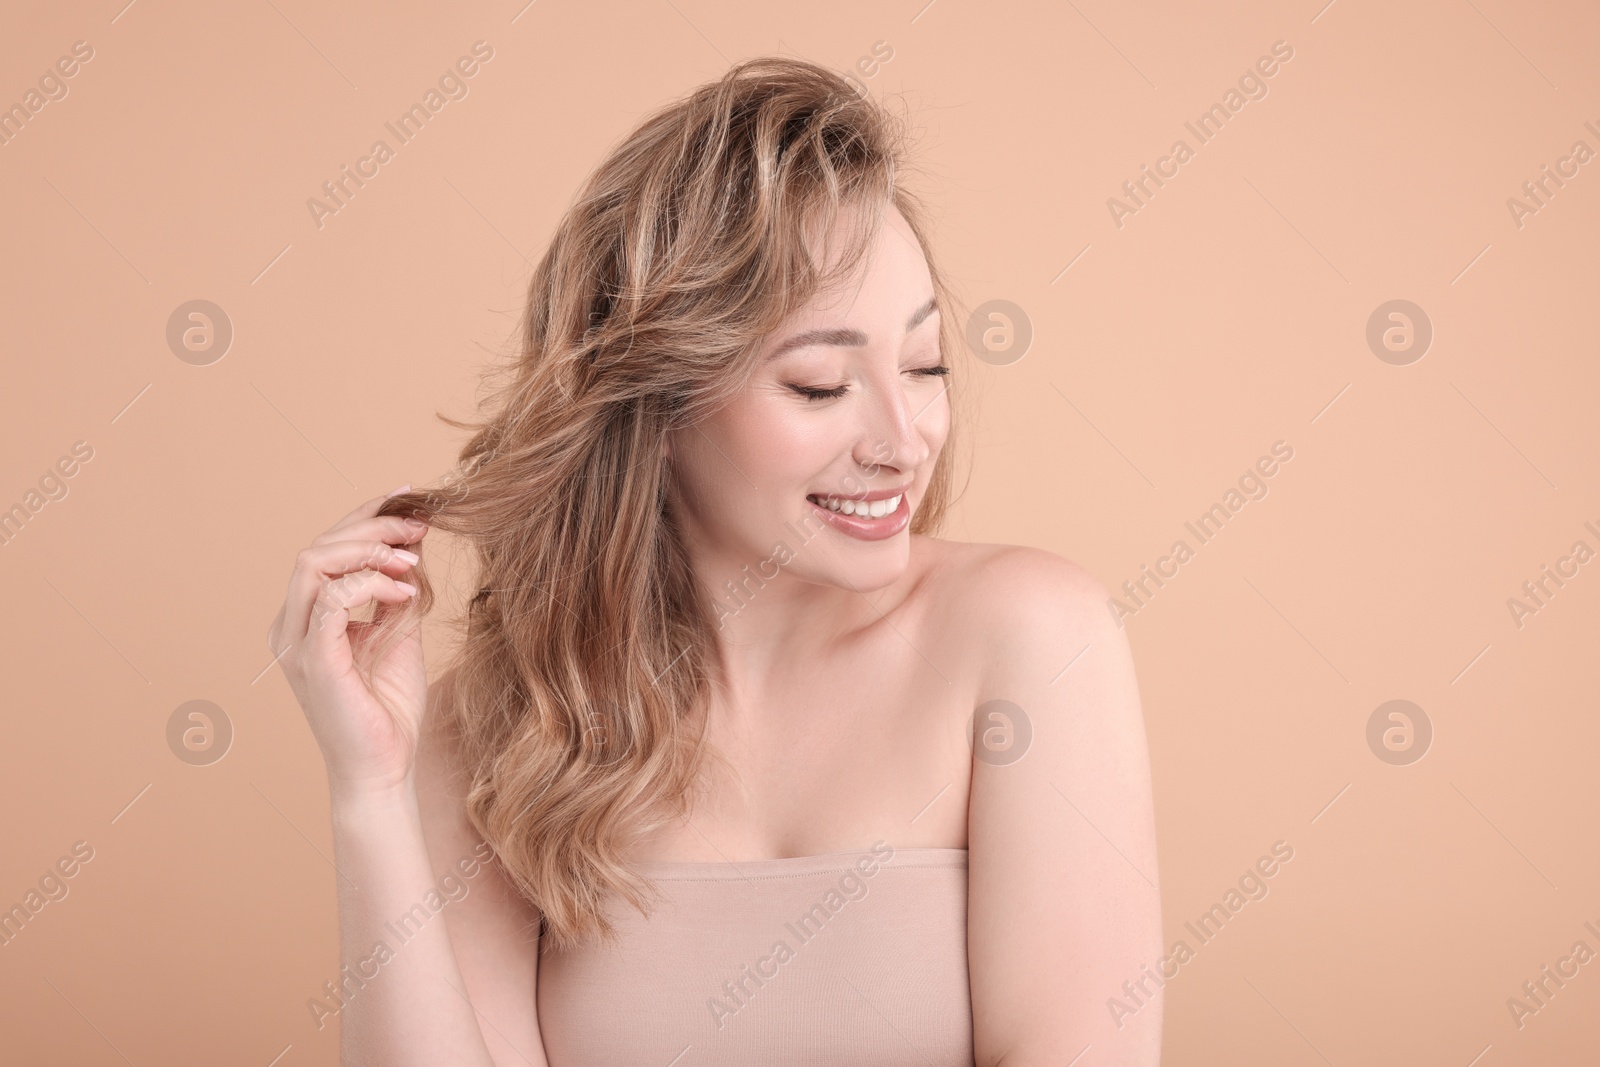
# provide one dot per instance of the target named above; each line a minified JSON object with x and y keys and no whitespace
{"x":875,"y":509}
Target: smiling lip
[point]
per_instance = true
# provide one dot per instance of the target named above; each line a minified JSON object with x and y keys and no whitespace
{"x":870,"y":496}
{"x":866,"y":528}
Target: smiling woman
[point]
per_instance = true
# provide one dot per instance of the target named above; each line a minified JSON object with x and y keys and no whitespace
{"x":775,"y":835}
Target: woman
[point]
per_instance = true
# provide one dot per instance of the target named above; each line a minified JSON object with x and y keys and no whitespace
{"x":769,"y":773}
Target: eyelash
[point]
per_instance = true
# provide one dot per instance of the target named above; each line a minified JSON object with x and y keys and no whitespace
{"x":839,"y":390}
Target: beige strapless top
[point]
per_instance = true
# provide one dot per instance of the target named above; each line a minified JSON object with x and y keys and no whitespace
{"x":841,"y":959}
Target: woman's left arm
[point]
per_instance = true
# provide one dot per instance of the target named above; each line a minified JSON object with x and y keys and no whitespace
{"x":1064,"y":913}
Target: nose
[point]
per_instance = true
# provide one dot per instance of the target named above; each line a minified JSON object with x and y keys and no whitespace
{"x":890,"y":435}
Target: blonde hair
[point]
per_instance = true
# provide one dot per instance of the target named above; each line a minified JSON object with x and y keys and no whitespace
{"x":577,"y":692}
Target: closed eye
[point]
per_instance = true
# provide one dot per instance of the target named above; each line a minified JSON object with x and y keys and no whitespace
{"x":811,"y":392}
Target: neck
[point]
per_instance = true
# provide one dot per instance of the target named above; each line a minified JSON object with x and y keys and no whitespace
{"x":790,"y":607}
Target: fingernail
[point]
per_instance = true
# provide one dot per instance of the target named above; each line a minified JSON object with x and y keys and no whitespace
{"x":416,"y":524}
{"x":410,"y":589}
{"x":397,"y":492}
{"x":409,"y":557}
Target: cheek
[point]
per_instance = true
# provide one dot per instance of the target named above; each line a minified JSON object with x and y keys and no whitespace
{"x":939,"y":426}
{"x":779,"y":446}
{"x":747,"y":467}
{"x":934,"y":425}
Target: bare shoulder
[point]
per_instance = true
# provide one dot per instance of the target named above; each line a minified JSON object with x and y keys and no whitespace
{"x":1019,"y":607}
{"x":984,"y":573}
{"x":1058,"y":745}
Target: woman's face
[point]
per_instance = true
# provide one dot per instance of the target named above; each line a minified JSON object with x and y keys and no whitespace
{"x":846,"y":413}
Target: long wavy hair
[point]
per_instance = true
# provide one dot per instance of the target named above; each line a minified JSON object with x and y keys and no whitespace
{"x":574,"y":707}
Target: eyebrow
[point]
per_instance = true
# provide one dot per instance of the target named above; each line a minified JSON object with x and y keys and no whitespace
{"x":847,"y":338}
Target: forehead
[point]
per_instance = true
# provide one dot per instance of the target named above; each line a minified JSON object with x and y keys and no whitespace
{"x":888,"y":292}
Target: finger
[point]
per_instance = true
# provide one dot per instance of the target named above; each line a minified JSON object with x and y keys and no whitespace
{"x":338,"y":597}
{"x":315,"y":565}
{"x":390,"y":528}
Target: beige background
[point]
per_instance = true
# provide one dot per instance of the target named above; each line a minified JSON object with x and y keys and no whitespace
{"x":1227,"y":314}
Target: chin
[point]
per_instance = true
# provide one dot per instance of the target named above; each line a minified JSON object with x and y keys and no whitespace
{"x":864,"y":566}
{"x":850,"y":553}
